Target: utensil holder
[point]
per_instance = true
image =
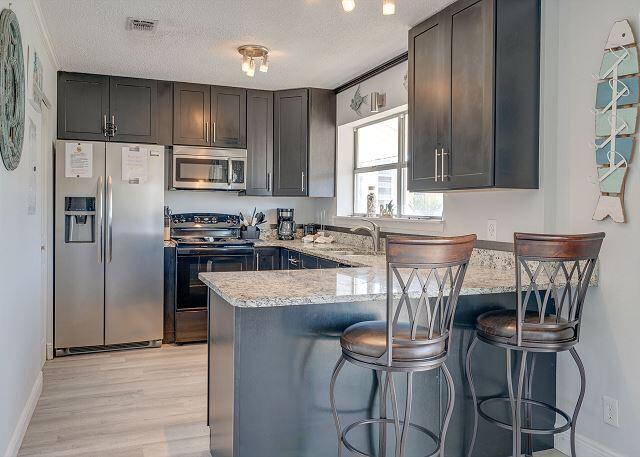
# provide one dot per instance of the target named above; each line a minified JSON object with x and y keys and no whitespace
{"x":250,"y":233}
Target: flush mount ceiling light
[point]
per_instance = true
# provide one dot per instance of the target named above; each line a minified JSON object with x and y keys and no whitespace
{"x":250,"y":53}
{"x":388,"y":6}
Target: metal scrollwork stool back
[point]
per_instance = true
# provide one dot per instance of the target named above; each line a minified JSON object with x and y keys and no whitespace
{"x":414,"y":337}
{"x":557,"y":270}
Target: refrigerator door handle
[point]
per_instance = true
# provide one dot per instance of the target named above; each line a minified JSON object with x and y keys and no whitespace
{"x":109,"y":219}
{"x":100,"y":209}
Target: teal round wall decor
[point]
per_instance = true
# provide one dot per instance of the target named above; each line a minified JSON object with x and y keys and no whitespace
{"x":11,"y":90}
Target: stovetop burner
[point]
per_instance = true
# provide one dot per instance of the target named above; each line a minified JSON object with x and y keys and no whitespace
{"x":207,"y":230}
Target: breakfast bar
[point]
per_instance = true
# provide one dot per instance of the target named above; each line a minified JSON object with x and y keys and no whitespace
{"x":274,"y":340}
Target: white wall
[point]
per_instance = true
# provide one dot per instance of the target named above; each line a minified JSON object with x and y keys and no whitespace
{"x":610,"y":337}
{"x":22,"y":315}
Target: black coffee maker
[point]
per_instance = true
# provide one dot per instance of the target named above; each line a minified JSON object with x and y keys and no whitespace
{"x":286,"y":224}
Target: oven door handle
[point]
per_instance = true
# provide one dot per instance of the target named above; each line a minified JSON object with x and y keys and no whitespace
{"x":215,"y":251}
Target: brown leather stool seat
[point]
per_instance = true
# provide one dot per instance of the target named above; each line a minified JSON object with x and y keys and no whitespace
{"x":502,"y":324}
{"x":369,"y":339}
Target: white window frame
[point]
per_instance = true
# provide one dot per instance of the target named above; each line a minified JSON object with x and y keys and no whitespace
{"x":400,"y":165}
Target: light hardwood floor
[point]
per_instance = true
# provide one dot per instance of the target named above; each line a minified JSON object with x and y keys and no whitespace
{"x":142,"y":403}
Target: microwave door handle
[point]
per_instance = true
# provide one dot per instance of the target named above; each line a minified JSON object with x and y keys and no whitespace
{"x":230,"y":174}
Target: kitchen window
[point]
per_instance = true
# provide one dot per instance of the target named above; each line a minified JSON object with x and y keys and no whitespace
{"x":380,"y":160}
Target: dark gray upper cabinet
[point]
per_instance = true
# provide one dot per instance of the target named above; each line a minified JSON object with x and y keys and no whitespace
{"x":133,"y":109}
{"x":290,"y":146}
{"x":83,"y":106}
{"x":259,"y":142}
{"x":304,"y":143}
{"x":191,"y":114}
{"x":228,"y":117}
{"x":474,"y":96}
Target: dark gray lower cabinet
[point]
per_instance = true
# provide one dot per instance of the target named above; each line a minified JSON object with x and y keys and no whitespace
{"x":259,"y":142}
{"x":83,"y":106}
{"x":267,"y":259}
{"x":474,"y":84}
{"x":133,"y":107}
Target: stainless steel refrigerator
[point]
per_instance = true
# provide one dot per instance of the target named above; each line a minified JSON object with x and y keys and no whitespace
{"x":109,"y":221}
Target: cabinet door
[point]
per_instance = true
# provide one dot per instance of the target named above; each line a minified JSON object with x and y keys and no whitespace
{"x":83,"y":106}
{"x":267,"y":259}
{"x":326,"y":263}
{"x":228,"y":117}
{"x":191,"y":114}
{"x":290,"y":143}
{"x":426,"y":98}
{"x":259,"y":142}
{"x":308,"y":262}
{"x":133,"y":106}
{"x":468,"y":82}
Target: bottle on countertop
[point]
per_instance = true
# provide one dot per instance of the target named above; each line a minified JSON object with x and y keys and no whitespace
{"x":371,"y":202}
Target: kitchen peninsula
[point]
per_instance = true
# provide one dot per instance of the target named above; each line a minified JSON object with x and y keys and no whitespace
{"x":274,"y":339}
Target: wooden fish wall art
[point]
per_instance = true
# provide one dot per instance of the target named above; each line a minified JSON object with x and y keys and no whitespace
{"x":616,"y":112}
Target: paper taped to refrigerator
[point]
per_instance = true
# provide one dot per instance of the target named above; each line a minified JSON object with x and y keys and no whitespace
{"x":78,"y":160}
{"x":135,"y":164}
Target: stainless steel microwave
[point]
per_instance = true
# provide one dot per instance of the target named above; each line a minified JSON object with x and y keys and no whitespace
{"x":209,"y":169}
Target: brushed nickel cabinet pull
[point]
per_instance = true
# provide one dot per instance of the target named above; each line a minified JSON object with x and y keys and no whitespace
{"x":104,"y":125}
{"x":214,"y":131}
{"x":206,"y":131}
{"x":268,"y":181}
{"x":442,"y":154}
{"x":114,"y":128}
{"x":435,"y":161}
{"x":302,"y":180}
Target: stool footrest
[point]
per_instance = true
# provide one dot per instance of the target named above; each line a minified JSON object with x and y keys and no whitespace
{"x":359,"y":423}
{"x":525,"y":401}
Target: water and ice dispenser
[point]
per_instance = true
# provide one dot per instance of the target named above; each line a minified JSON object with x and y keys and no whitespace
{"x":79,"y":219}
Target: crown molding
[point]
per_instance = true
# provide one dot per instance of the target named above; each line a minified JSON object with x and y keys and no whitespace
{"x":44,"y":32}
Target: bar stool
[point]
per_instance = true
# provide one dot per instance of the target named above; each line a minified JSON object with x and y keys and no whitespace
{"x":557,"y":271}
{"x":415,"y":335}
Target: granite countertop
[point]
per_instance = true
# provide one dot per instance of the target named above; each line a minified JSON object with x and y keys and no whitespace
{"x":366,"y":281}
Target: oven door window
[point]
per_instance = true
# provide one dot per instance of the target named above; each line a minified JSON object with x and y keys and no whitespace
{"x":200,"y":170}
{"x":190,"y":291}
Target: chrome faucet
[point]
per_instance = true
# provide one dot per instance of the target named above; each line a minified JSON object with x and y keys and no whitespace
{"x":374,"y":232}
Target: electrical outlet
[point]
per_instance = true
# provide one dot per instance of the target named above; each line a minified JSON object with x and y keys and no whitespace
{"x":610,"y":411}
{"x":492,"y":230}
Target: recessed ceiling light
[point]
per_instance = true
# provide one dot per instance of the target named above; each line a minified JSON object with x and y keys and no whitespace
{"x":388,"y":7}
{"x":348,"y":5}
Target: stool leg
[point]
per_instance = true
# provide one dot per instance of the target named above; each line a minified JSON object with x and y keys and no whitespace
{"x":407,"y":413}
{"x":583,"y":381}
{"x":451,"y":399}
{"x":528,"y":445}
{"x":517,"y":426}
{"x":512,"y":402}
{"x":396,"y":416}
{"x":382,"y":435}
{"x":332,"y":399}
{"x":474,"y":340}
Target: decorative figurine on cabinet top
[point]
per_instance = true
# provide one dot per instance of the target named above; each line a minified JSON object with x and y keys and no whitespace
{"x":616,"y":111}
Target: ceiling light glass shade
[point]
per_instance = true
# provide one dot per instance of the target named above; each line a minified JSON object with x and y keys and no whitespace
{"x":245,"y":63}
{"x":388,"y":7}
{"x":252,"y":69}
{"x":264,"y":65}
{"x":348,"y":5}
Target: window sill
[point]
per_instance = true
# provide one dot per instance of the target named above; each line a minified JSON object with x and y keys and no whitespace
{"x":395,"y":225}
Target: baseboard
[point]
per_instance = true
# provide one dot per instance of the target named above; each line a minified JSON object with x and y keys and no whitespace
{"x":25,"y":418}
{"x":585,"y":447}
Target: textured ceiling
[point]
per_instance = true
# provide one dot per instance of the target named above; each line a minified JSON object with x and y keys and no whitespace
{"x":313,"y":42}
